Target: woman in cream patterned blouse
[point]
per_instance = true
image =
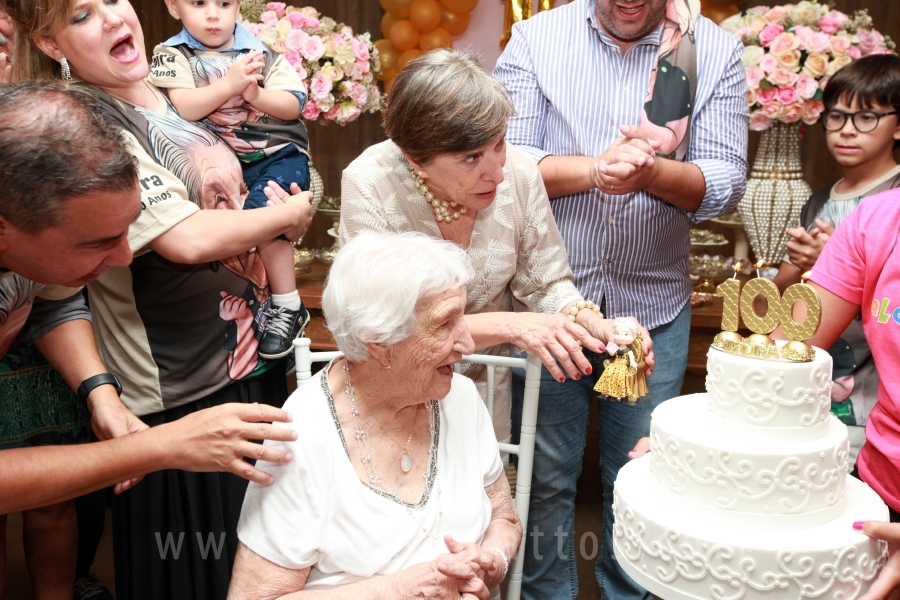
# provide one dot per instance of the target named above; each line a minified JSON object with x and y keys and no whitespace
{"x":447,"y":171}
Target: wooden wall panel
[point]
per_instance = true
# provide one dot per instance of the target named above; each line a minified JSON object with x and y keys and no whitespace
{"x":819,"y":168}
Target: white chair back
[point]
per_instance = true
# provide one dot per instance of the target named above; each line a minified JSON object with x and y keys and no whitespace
{"x":524,"y":450}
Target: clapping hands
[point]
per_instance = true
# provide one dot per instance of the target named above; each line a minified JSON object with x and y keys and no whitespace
{"x":627,"y":165}
{"x":805,"y":246}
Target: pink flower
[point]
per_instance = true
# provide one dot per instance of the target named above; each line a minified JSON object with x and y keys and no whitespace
{"x":332,"y":113}
{"x":819,"y":42}
{"x":854,"y":52}
{"x":362,"y":67}
{"x":295,"y":39}
{"x":269,"y":18}
{"x":277,"y":7}
{"x":296,"y":19}
{"x":784,"y":42}
{"x":311,"y":110}
{"x":768,"y":64}
{"x":346,"y":33}
{"x":775,"y":14}
{"x":312,"y":48}
{"x":292,"y":57}
{"x":765,"y":97}
{"x":792,"y":113}
{"x":769,"y":33}
{"x":773,"y":110}
{"x":869,"y":41}
{"x":754,"y":76}
{"x":347,"y":112}
{"x":744,"y":32}
{"x":254,"y":28}
{"x":301,"y":71}
{"x":787,"y":95}
{"x":360,"y":49}
{"x":783,"y":78}
{"x":803,"y":34}
{"x":829,"y":25}
{"x":321,"y":85}
{"x":812,"y":111}
{"x":759,"y":121}
{"x":840,"y":44}
{"x":359,"y":94}
{"x":807,"y":86}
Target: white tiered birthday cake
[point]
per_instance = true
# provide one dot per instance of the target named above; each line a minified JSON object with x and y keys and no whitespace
{"x":745,"y":493}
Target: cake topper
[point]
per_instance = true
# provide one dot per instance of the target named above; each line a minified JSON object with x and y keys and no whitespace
{"x":779,"y":311}
{"x":623,"y":377}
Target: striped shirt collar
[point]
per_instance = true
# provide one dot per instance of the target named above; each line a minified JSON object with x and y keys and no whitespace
{"x":651,"y":39}
{"x":243,"y":40}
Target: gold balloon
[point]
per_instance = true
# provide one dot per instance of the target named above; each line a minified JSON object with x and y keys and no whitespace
{"x":404,"y":36}
{"x":387,"y":54}
{"x":387,"y":21}
{"x":439,"y":38}
{"x":425,"y":15}
{"x":459,"y":5}
{"x":408,"y":56}
{"x":389,"y":73}
{"x":387,"y":86}
{"x":398,"y":8}
{"x":454,"y":22}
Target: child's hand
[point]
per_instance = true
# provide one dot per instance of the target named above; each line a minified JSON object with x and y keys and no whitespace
{"x":806,"y":246}
{"x":246,"y":71}
{"x":251,"y":92}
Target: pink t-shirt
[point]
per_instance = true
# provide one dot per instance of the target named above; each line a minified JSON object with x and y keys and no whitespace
{"x":861,"y":264}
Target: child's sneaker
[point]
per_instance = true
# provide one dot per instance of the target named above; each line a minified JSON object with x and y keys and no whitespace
{"x":90,"y":588}
{"x":282,"y":326}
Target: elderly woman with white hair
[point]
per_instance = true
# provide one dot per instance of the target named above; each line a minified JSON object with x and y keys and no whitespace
{"x":447,"y":171}
{"x":396,"y":487}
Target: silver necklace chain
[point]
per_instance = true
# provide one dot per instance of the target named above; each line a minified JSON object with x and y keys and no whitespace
{"x":366,"y":457}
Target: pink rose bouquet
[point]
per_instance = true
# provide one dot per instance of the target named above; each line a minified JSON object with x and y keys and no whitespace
{"x":790,"y":53}
{"x":337,"y":67}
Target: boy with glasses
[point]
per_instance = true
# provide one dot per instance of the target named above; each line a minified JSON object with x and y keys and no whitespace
{"x":862,"y":129}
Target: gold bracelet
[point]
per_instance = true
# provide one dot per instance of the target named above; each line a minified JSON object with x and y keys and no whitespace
{"x":582,"y":304}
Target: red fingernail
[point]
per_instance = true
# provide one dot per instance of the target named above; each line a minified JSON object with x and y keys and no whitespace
{"x":588,"y":371}
{"x":859,"y":525}
{"x":562,"y":379}
{"x":577,"y":376}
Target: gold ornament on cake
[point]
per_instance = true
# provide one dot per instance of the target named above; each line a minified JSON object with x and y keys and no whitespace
{"x":779,"y":311}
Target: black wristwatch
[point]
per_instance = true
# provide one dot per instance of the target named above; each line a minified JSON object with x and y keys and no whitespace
{"x":87,"y":386}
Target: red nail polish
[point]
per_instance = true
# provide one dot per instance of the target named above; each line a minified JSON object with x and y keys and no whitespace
{"x":588,"y":371}
{"x":562,"y":379}
{"x":577,"y":376}
{"x":859,"y":525}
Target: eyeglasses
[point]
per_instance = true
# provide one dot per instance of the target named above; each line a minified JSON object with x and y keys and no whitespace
{"x":864,"y":120}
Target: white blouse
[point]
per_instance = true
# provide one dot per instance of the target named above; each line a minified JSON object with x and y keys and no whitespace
{"x":319,"y":514}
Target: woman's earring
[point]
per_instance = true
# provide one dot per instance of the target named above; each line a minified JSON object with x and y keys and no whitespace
{"x":66,"y":71}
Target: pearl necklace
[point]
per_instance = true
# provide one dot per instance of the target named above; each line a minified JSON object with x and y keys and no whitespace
{"x":442,"y":208}
{"x":374,"y":478}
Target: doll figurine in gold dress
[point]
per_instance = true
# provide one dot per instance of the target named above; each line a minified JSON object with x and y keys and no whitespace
{"x":623,"y":377}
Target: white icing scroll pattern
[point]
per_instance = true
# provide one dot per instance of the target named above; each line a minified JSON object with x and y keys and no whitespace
{"x":761,"y":394}
{"x":791,"y":484}
{"x":812,"y":576}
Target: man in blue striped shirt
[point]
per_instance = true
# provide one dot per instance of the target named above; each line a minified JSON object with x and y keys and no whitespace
{"x":580,"y":78}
